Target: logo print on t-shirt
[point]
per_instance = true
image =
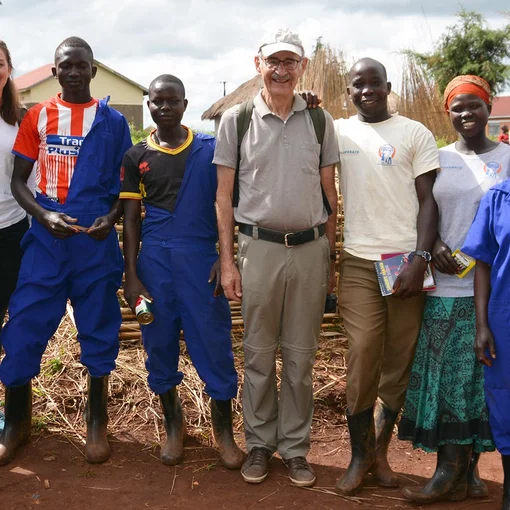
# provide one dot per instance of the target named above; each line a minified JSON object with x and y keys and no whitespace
{"x":387,"y":153}
{"x":492,"y":169}
{"x":144,"y":167}
{"x":64,"y":145}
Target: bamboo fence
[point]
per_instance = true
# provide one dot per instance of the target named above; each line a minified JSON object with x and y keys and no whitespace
{"x":130,"y":329}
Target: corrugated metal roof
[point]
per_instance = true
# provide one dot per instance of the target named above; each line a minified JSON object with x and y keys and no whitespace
{"x":34,"y":77}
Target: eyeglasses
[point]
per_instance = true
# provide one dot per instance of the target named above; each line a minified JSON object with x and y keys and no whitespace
{"x":289,"y":63}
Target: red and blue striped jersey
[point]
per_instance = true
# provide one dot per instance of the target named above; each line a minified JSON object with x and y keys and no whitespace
{"x":51,"y":134}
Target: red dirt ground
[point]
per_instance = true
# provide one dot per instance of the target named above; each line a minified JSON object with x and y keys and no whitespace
{"x":135,"y":479}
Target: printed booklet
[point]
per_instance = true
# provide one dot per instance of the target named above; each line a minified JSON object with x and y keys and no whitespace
{"x":392,"y":265}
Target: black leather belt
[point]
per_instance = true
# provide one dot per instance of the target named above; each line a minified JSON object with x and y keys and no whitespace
{"x":289,"y":239}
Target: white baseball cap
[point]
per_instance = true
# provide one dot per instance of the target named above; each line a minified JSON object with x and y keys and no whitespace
{"x":282,"y":40}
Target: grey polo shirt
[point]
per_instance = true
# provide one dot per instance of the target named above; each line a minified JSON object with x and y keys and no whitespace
{"x":279,"y":178}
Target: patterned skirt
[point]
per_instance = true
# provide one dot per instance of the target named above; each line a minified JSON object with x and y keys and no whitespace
{"x":445,"y":401}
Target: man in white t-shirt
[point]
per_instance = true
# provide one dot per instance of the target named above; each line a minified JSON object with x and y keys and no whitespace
{"x":387,"y":171}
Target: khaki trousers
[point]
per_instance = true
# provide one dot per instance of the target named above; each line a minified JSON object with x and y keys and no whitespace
{"x":382,"y":333}
{"x":284,"y":292}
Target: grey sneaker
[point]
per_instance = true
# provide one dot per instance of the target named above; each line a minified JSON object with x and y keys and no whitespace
{"x":300,"y":472}
{"x":256,"y":466}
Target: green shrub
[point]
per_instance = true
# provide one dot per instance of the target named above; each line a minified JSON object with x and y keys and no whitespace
{"x":442,"y":142}
{"x":137,"y":135}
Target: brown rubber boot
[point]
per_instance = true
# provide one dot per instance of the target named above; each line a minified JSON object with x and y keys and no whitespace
{"x":362,"y":434}
{"x":172,"y":451}
{"x":476,"y":487}
{"x":18,"y":418}
{"x":449,"y":482}
{"x":97,"y":449}
{"x":384,"y":420}
{"x":505,"y":505}
{"x":231,"y":456}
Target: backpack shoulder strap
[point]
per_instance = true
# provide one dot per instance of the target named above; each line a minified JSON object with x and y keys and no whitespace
{"x":244,"y":119}
{"x":243,"y":123}
{"x":319,"y":124}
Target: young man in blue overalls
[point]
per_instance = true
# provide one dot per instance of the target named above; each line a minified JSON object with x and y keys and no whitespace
{"x":172,"y":172}
{"x":71,"y":250}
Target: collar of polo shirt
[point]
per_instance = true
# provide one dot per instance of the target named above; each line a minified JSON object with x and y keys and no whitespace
{"x":262,"y":108}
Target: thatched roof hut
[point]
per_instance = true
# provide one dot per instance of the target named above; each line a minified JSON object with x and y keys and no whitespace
{"x":247,"y":90}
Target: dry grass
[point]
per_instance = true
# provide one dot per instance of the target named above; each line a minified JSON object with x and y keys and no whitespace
{"x":134,"y":411}
{"x":327,"y":75}
{"x":420,"y":100}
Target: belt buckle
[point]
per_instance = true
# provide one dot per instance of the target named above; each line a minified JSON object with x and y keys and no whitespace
{"x":286,"y":238}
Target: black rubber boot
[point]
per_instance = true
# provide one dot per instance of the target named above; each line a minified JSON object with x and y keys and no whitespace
{"x":362,"y":434}
{"x":172,"y":451}
{"x":384,"y":420}
{"x":18,"y":418}
{"x":97,"y":449}
{"x":476,"y":487}
{"x":231,"y":456}
{"x":449,"y":482}
{"x":506,"y":485}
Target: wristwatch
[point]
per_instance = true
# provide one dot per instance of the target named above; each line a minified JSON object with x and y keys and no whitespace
{"x":423,"y":254}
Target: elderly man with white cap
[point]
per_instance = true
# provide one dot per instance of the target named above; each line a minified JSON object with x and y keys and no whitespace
{"x":281,"y":192}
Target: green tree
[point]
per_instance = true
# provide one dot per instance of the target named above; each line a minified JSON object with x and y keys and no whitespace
{"x":469,"y":47}
{"x":137,"y":135}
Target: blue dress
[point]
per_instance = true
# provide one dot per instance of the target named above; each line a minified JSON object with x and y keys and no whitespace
{"x":488,"y":240}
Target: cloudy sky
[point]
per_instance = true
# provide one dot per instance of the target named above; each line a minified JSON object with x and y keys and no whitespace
{"x":206,"y":42}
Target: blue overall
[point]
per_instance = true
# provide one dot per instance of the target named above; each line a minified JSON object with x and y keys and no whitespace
{"x":86,"y":271}
{"x":488,"y":240}
{"x":177,"y":254}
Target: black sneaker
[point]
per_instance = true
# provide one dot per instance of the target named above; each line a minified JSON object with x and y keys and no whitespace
{"x":300,"y":472}
{"x":256,"y":466}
